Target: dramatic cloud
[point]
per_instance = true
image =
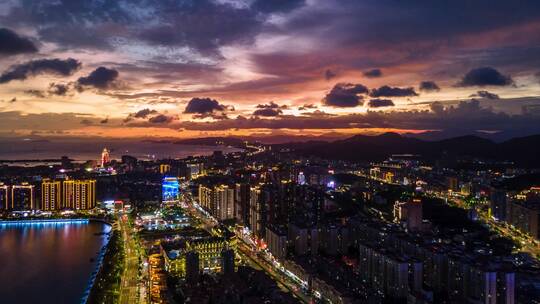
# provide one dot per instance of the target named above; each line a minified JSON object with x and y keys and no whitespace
{"x":268,"y":112}
{"x":272,"y":6}
{"x":42,"y":66}
{"x":271,"y":105}
{"x":378,"y":103}
{"x":486,"y":76}
{"x":485,"y":94}
{"x":60,"y":89}
{"x":212,"y":115}
{"x":249,"y":52}
{"x":101,"y":78}
{"x":374,"y":73}
{"x":345,"y":95}
{"x":160,"y":119}
{"x":36,"y":93}
{"x":13,"y":44}
{"x":203,"y":106}
{"x":429,"y":86}
{"x":145,"y":116}
{"x":465,"y":117}
{"x":143,"y":113}
{"x":329,"y":74}
{"x":203,"y":25}
{"x":387,"y":91}
{"x":54,"y":89}
{"x":270,"y":109}
{"x":307,"y":107}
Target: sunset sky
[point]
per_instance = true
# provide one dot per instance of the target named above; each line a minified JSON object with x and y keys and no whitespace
{"x":141,"y":68}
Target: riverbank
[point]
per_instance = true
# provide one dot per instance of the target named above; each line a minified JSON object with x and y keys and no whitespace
{"x":45,"y":221}
{"x":106,"y":280}
{"x":55,"y":221}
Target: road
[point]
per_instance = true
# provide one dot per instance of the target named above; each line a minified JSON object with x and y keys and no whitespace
{"x":283,"y":281}
{"x":128,"y":288}
{"x":245,"y":251}
{"x":527,"y":243}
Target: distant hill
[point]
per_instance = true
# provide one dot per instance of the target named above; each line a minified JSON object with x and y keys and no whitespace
{"x":524,"y":150}
{"x":212,"y":141}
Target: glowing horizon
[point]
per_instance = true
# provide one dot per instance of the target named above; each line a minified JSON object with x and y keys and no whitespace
{"x":135,"y":69}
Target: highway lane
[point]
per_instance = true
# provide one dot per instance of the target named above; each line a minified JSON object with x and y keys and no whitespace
{"x":129,"y":285}
{"x":527,"y":243}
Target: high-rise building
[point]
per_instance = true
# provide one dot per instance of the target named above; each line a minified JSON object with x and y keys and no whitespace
{"x":79,"y":194}
{"x":195,"y":169}
{"x":524,"y":216}
{"x":207,"y":198}
{"x":498,"y":204}
{"x":242,"y":203}
{"x":170,"y":189}
{"x":452,"y":183}
{"x":218,"y":201}
{"x":409,"y":212}
{"x":164,"y":168}
{"x":257,"y":218}
{"x":51,"y":195}
{"x":192,"y":266}
{"x":105,"y":157}
{"x":299,"y":236}
{"x":227,"y":261}
{"x":4,"y":197}
{"x":22,"y":197}
{"x":276,"y":238}
{"x":225,"y":203}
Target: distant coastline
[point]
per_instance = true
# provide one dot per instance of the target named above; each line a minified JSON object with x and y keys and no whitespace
{"x":50,"y":152}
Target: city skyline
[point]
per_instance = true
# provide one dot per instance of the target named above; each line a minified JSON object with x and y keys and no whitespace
{"x":183,"y":69}
{"x":270,"y":151}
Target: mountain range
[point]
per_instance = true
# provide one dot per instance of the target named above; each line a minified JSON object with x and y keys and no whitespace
{"x":522,"y":150}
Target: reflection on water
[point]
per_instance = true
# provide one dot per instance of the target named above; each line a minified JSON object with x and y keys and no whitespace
{"x":48,"y":262}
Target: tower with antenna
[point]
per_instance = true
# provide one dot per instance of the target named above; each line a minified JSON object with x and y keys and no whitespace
{"x":105,"y":157}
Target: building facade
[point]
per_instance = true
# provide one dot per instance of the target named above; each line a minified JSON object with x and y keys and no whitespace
{"x":79,"y":194}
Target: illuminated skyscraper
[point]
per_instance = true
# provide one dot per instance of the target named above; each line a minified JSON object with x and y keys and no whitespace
{"x":105,"y":157}
{"x":164,"y":168}
{"x":4,"y":197}
{"x":410,"y":213}
{"x":169,"y":189}
{"x":218,"y":201}
{"x":22,"y":197}
{"x":257,"y":212}
{"x":51,"y":195}
{"x":225,"y":203}
{"x":207,"y":198}
{"x":79,"y":194}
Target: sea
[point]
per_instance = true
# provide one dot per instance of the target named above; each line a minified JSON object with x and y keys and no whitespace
{"x":83,"y":150}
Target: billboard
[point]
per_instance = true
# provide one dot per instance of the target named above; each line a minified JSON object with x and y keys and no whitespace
{"x":170,"y":189}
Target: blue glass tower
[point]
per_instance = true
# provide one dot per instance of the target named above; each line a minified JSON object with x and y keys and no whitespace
{"x":170,"y":189}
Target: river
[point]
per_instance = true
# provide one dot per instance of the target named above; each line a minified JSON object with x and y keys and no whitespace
{"x":48,"y":262}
